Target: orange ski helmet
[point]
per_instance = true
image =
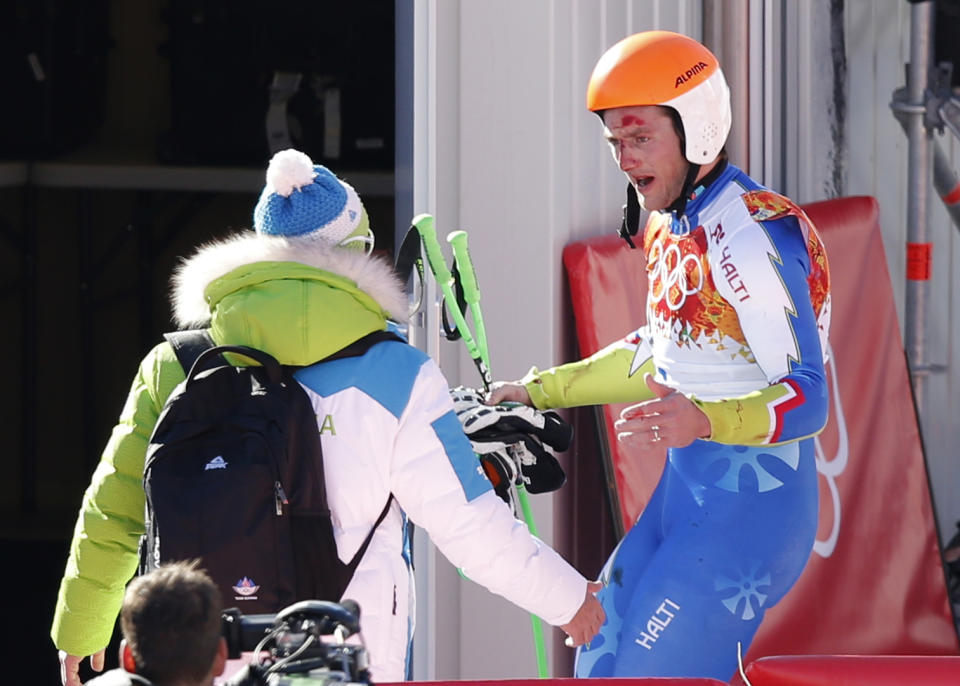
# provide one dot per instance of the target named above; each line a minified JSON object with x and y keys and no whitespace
{"x":672,"y":70}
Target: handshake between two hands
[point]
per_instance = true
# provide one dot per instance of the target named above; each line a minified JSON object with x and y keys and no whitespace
{"x":589,"y":618}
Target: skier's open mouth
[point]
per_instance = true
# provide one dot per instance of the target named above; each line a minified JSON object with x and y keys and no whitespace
{"x":643,"y":181}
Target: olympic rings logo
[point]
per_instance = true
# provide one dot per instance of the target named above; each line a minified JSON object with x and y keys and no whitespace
{"x":669,"y":280}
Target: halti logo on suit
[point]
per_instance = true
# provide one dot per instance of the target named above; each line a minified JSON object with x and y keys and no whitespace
{"x":658,"y":621}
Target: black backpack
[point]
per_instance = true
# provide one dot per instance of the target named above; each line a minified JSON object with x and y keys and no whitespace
{"x":234,"y":476}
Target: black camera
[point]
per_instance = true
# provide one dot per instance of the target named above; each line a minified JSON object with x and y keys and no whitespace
{"x":291,"y":642}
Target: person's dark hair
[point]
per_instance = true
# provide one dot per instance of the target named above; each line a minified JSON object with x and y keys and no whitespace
{"x":677,"y":127}
{"x":171,"y":621}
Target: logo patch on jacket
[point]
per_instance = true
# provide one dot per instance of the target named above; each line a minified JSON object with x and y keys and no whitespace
{"x":245,"y":589}
{"x":216,"y":463}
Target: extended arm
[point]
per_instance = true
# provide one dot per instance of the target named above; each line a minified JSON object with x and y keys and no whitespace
{"x":611,"y":375}
{"x":468,"y":523}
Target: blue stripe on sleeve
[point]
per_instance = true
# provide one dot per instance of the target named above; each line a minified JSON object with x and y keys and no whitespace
{"x":808,"y":372}
{"x":460,"y":453}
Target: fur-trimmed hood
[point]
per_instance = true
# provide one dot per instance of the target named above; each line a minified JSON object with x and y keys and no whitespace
{"x":213,"y":260}
{"x":296,"y":298}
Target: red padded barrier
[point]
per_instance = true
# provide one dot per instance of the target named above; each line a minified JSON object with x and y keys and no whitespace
{"x":879,"y":588}
{"x":608,"y":289}
{"x":855,"y":670}
{"x":875,"y":585}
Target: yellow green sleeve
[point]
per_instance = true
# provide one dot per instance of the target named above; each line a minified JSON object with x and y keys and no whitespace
{"x":735,"y":421}
{"x":602,"y":378}
{"x":751,"y":419}
{"x":103,"y":554}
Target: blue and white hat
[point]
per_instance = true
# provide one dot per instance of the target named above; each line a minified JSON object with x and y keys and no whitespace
{"x":306,"y":200}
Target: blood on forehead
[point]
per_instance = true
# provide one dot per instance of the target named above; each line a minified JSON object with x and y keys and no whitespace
{"x":632,"y":120}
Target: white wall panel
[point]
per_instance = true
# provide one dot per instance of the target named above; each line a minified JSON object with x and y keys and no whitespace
{"x":878,"y":48}
{"x":504,"y":199}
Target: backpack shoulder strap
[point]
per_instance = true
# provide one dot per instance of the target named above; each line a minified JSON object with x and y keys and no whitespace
{"x":188,"y":345}
{"x":363,"y":344}
{"x":352,"y":566}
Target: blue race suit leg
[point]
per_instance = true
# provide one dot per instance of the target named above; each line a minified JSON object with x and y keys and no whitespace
{"x":726,"y":534}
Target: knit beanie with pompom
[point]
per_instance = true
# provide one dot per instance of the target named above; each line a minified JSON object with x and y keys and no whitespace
{"x":306,"y":200}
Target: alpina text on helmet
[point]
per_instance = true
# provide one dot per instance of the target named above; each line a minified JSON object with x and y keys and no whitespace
{"x":685,"y":76}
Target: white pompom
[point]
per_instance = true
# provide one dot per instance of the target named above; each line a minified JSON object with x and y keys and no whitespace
{"x":289,"y":170}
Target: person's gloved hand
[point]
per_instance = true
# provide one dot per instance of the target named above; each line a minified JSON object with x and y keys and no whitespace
{"x":514,"y":441}
{"x":502,"y":471}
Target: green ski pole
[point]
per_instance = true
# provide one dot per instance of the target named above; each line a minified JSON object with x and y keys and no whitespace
{"x":535,"y":621}
{"x":424,"y":224}
{"x":471,"y":294}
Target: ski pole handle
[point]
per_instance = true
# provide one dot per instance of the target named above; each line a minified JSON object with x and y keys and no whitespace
{"x":424,"y":224}
{"x":471,"y":292}
{"x":468,"y":278}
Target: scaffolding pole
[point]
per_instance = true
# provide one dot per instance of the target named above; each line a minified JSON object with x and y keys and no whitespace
{"x":919,"y":249}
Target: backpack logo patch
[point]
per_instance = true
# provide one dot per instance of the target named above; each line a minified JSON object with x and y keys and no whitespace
{"x":216,"y":463}
{"x":246,"y":589}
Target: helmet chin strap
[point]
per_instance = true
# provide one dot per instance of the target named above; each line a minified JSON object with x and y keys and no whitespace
{"x":630,"y":226}
{"x":631,"y":217}
{"x":680,"y":204}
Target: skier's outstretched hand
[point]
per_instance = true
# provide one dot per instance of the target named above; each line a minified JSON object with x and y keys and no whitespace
{"x":588,"y":620}
{"x":507,"y":392}
{"x":70,"y":667}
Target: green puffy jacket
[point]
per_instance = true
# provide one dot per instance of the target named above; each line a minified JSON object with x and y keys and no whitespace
{"x":298,"y":304}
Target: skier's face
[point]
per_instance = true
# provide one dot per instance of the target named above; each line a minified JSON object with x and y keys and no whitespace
{"x":647,"y":148}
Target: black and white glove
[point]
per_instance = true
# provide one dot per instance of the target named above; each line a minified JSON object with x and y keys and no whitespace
{"x":515,"y":443}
